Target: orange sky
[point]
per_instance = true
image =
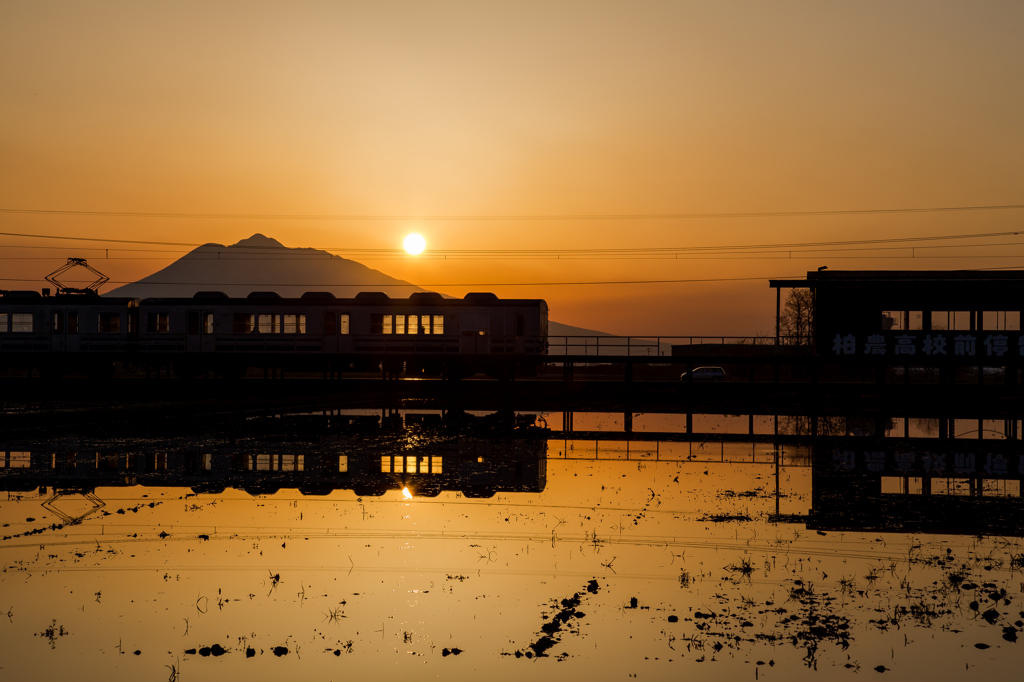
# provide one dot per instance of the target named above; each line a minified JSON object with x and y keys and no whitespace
{"x":416,"y":108}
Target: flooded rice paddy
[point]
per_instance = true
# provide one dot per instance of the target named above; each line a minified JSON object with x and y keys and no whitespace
{"x":369,"y":544}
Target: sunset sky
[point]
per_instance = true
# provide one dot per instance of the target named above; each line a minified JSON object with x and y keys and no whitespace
{"x":526,"y":109}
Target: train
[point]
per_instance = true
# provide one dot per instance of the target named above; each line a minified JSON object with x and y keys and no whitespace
{"x":214,"y":334}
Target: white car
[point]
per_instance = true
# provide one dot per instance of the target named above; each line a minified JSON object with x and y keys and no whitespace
{"x":705,"y":374}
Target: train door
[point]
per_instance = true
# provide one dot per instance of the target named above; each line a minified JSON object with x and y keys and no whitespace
{"x":192,"y":329}
{"x":520,"y":333}
{"x":330,"y":332}
{"x":475,"y":337}
{"x":58,"y":331}
{"x":207,"y":340}
{"x":71,"y":337}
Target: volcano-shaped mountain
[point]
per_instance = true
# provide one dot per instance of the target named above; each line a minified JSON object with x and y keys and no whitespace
{"x":260,"y":263}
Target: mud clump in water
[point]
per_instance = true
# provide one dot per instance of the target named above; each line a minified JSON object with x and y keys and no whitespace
{"x":215,"y":650}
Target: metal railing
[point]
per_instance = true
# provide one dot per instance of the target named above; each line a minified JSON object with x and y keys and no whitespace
{"x":585,"y":345}
{"x":654,"y":346}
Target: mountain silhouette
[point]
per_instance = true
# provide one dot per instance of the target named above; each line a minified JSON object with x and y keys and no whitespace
{"x":261,"y":263}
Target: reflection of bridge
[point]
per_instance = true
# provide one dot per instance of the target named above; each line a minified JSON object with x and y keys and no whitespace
{"x":886,"y":473}
{"x":137,"y":409}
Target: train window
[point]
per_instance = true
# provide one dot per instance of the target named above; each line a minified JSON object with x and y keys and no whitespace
{"x":399,"y":324}
{"x":58,"y":322}
{"x":342,"y":464}
{"x":294,"y":324}
{"x":520,"y":325}
{"x":207,"y":323}
{"x":270,"y":324}
{"x":376,"y":323}
{"x":293,"y":462}
{"x":414,"y":324}
{"x":3,"y":322}
{"x":1001,"y":320}
{"x":243,"y":323}
{"x":21,"y":322}
{"x":439,"y":324}
{"x":389,"y":327}
{"x":20,"y":459}
{"x":329,"y":324}
{"x":892,"y":320}
{"x":193,"y":323}
{"x":158,"y":323}
{"x":344,"y":324}
{"x":73,"y":322}
{"x":110,"y":323}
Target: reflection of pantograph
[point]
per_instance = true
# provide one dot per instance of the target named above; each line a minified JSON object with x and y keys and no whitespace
{"x":69,"y":520}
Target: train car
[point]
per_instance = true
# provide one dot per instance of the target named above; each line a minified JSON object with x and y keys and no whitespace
{"x":423,"y":334}
{"x":213,"y":333}
{"x":58,"y":334}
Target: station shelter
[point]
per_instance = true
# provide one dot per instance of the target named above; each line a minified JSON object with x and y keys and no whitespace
{"x":919,"y":316}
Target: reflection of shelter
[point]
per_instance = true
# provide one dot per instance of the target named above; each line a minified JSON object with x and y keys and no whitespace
{"x":957,"y":488}
{"x":929,"y":315}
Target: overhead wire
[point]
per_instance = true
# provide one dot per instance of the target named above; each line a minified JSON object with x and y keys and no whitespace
{"x":446,"y":284}
{"x":508,"y":217}
{"x":553,"y":253}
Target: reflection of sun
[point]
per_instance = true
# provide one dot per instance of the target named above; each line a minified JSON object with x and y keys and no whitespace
{"x":415,"y":244}
{"x":406,"y":494}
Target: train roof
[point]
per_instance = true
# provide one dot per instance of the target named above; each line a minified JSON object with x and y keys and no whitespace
{"x":365,"y":298}
{"x":34,"y":297}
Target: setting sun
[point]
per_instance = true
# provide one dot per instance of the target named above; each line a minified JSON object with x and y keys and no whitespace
{"x":414,"y":244}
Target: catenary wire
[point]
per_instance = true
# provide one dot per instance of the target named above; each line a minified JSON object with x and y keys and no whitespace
{"x":523,"y":217}
{"x":553,"y":252}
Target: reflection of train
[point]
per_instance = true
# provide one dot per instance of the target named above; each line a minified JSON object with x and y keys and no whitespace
{"x":476,"y":467}
{"x":210,"y":332}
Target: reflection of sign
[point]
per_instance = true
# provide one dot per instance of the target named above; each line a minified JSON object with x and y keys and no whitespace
{"x":911,"y":463}
{"x":930,"y":344}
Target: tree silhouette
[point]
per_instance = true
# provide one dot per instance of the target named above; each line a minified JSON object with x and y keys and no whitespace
{"x":796,"y":323}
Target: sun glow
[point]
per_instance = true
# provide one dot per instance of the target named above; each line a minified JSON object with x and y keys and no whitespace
{"x":414,"y":244}
{"x":406,"y":494}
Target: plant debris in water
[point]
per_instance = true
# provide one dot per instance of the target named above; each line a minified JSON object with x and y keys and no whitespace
{"x":52,"y":633}
{"x":550,"y":633}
